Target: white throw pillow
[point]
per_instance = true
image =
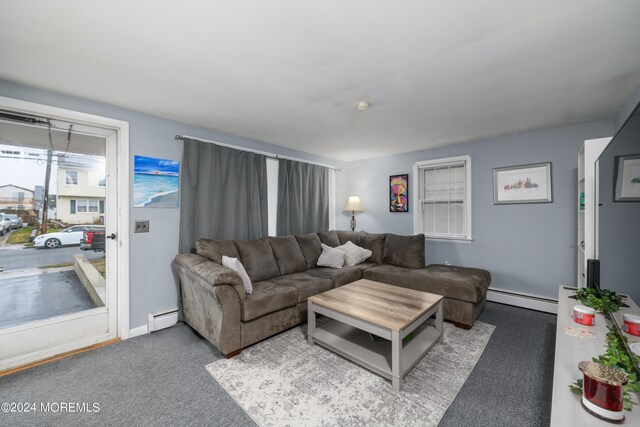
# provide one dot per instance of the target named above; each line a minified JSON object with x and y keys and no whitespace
{"x":236,"y":265}
{"x":331,"y":257}
{"x":354,"y":254}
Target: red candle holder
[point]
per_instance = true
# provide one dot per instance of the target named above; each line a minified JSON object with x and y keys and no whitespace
{"x":602,"y":390}
{"x":632,"y":324}
{"x":584,"y":315}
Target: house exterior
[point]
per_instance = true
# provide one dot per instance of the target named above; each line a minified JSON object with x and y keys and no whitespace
{"x":80,"y":190}
{"x":15,"y":198}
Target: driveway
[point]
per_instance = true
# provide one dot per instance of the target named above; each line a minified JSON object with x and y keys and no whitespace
{"x":16,"y":257}
{"x":26,"y":298}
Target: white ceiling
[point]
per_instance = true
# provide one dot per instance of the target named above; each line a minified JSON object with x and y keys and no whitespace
{"x":290,"y":72}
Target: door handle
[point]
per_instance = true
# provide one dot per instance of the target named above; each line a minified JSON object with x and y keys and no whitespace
{"x":112,"y":236}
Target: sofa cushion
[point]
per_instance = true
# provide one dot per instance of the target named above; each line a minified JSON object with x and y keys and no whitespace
{"x":306,"y":284}
{"x":258,"y":259}
{"x":288,"y":254}
{"x":464,"y":284}
{"x":343,"y":275}
{"x":310,"y":247}
{"x":373,"y":242}
{"x":266,"y":298}
{"x":215,"y":249}
{"x":345,"y":236}
{"x":404,"y":251}
{"x":329,"y":238}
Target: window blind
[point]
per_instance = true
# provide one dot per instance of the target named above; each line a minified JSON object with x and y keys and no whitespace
{"x":442,"y":198}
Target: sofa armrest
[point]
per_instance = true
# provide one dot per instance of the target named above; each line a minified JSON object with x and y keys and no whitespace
{"x":211,"y":273}
{"x":211,"y":300}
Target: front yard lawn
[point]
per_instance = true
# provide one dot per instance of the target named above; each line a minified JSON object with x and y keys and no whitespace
{"x":21,"y":235}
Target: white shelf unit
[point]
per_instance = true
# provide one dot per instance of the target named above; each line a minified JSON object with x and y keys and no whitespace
{"x":589,"y":153}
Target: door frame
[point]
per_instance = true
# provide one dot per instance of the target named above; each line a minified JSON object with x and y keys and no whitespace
{"x":118,"y":130}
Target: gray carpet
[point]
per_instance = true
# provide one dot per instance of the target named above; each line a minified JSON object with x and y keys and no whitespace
{"x":161,"y":379}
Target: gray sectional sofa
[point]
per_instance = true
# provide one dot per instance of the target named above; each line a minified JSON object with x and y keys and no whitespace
{"x":284,"y":273}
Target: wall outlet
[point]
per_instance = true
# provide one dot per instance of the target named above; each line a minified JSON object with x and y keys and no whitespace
{"x":141,"y":226}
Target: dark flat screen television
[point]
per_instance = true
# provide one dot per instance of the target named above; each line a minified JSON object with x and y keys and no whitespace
{"x":618,"y":215}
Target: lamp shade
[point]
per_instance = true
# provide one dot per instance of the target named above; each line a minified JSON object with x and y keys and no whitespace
{"x":354,"y":204}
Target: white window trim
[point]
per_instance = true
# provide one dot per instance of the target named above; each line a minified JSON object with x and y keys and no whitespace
{"x":66,"y":184}
{"x":417,"y":211}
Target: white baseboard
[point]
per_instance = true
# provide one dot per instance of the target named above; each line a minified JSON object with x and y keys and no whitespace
{"x":163,"y":320}
{"x":140,"y":330}
{"x":523,"y":300}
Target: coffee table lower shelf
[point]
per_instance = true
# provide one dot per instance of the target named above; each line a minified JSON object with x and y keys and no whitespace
{"x":358,"y":346}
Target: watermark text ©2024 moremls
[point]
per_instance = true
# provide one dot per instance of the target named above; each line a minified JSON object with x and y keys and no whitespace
{"x":50,"y":407}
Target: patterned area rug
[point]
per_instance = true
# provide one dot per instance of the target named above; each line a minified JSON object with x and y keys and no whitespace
{"x":284,"y":381}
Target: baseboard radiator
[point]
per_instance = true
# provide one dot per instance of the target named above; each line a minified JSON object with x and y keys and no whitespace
{"x":523,"y":300}
{"x":162,"y":320}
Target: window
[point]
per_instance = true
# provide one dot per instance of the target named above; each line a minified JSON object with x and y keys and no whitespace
{"x":84,"y":206}
{"x":443,"y":198}
{"x":81,"y":206}
{"x":71,"y":178}
{"x":102,"y":182}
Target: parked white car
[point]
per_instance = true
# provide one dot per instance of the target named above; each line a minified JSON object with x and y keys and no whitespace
{"x":5,"y":224}
{"x":16,"y":222}
{"x":68,"y":236}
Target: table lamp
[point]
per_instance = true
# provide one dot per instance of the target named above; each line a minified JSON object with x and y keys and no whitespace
{"x":354,"y":205}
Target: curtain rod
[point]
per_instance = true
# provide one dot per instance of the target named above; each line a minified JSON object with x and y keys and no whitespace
{"x":264,"y":153}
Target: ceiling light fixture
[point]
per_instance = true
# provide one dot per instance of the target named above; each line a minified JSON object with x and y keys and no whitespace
{"x":362,"y":106}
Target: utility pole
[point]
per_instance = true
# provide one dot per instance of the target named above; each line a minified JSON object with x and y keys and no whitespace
{"x":45,"y":202}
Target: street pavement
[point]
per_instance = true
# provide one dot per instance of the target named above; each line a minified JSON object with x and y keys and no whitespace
{"x":17,"y":257}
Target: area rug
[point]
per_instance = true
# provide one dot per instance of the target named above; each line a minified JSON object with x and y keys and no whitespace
{"x":284,"y":381}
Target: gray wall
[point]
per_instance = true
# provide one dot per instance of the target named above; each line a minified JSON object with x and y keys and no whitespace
{"x":152,"y":286}
{"x":528,"y":248}
{"x":619,"y":229}
{"x":626,"y":110}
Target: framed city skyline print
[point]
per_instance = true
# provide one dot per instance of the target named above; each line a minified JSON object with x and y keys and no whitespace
{"x":522,"y":184}
{"x":399,"y":193}
{"x":627,"y":179}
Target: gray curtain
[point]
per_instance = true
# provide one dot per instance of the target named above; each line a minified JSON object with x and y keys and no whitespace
{"x":303,"y":198}
{"x":223,"y":194}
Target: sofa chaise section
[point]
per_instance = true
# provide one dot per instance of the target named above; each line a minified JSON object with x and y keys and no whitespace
{"x":464,"y":289}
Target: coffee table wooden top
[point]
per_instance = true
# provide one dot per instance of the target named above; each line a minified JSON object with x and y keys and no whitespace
{"x":384,"y":305}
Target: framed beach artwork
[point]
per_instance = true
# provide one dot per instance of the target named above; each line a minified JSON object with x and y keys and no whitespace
{"x":627,"y":179}
{"x":399,"y":193}
{"x":522,"y":184}
{"x":156,"y":183}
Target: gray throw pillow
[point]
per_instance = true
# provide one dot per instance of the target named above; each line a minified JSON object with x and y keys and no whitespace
{"x":404,"y":251}
{"x":331,"y":257}
{"x":354,"y":254}
{"x":236,"y":265}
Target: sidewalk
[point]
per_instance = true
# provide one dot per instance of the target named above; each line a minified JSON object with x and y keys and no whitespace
{"x":36,"y":294}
